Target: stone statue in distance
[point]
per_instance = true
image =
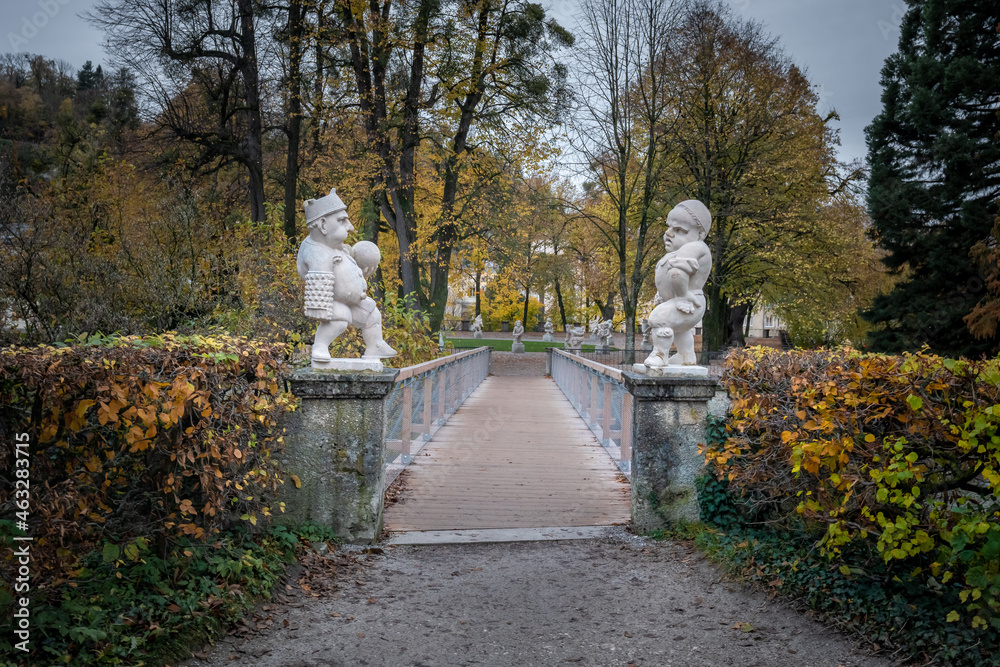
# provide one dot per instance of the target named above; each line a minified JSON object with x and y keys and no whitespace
{"x":574,"y":338}
{"x":335,"y":276}
{"x":680,"y":277}
{"x":549,"y":329}
{"x":604,"y":337}
{"x":517,"y":346}
{"x":646,"y":330}
{"x":477,"y":327}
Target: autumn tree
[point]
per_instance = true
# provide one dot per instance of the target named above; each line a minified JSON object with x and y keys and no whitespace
{"x":750,"y":144}
{"x":456,"y":74}
{"x":623,"y":112}
{"x":825,"y":278}
{"x":935,"y":176}
{"x":200,"y":74}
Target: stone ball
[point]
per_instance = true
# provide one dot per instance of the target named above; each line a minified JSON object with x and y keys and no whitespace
{"x":367,"y":255}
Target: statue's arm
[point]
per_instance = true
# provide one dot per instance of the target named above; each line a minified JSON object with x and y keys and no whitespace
{"x":690,"y":257}
{"x":683,"y":265}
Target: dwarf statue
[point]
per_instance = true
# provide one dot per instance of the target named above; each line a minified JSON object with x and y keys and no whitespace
{"x":518,"y":331}
{"x":680,"y":276}
{"x":574,"y":337}
{"x":336,"y":281}
{"x":604,"y":334}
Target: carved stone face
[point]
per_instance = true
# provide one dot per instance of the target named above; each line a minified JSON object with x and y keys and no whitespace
{"x":680,"y":231}
{"x":335,"y":227}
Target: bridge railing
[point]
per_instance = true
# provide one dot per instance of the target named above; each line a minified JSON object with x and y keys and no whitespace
{"x":599,"y":396}
{"x":424,"y":397}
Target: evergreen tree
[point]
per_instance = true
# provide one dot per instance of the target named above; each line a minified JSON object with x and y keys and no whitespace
{"x":88,"y":77}
{"x":935,"y":174}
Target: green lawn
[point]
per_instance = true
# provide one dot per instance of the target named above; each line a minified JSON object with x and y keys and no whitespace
{"x":503,"y":345}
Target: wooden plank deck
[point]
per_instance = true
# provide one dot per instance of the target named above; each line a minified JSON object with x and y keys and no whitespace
{"x":515,"y":455}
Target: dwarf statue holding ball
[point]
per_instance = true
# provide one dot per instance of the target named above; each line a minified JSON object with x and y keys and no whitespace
{"x":336,"y":280}
{"x":680,"y":276}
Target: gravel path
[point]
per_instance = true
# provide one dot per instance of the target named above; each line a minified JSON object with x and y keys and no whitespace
{"x":525,"y":363}
{"x":618,"y":601}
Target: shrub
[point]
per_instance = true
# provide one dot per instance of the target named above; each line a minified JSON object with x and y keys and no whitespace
{"x":899,"y":455}
{"x":136,"y":443}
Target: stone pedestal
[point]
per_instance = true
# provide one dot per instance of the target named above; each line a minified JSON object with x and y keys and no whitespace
{"x":671,"y":371}
{"x":477,"y":334}
{"x":547,"y":338}
{"x":335,"y":444}
{"x":668,"y":424}
{"x":517,"y":348}
{"x":349,"y":365}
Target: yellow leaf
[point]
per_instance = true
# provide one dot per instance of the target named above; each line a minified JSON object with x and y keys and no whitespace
{"x":952,"y":616}
{"x":82,"y":406}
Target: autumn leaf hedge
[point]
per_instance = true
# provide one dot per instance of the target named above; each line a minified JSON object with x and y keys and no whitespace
{"x":899,"y":453}
{"x":138,"y":441}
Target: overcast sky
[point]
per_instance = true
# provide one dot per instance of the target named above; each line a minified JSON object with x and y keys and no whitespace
{"x":841,"y":44}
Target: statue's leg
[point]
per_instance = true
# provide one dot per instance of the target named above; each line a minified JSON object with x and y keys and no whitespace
{"x":662,"y":335}
{"x":369,"y":320}
{"x":663,"y":339}
{"x":685,"y":349}
{"x":326,"y":333}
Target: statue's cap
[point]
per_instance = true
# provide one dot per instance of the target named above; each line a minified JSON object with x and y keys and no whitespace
{"x":698,"y":213}
{"x":317,"y":208}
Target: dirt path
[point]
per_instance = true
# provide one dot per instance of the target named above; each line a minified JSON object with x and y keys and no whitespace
{"x":526,"y":363}
{"x":609,"y":602}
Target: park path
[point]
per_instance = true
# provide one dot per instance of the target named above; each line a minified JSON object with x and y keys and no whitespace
{"x":613,"y":601}
{"x":514,"y":455}
{"x":618,"y":601}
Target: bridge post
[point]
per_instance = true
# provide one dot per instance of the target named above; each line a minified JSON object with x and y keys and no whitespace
{"x":668,"y":422}
{"x":335,"y":444}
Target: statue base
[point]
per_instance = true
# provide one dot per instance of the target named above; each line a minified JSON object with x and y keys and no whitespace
{"x":547,"y":338}
{"x":349,"y":365}
{"x":517,"y":348}
{"x":477,"y":334}
{"x":671,"y":371}
{"x":335,"y":444}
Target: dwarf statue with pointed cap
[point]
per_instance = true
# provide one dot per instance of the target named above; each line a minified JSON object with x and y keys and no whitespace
{"x":680,"y":276}
{"x":336,"y":280}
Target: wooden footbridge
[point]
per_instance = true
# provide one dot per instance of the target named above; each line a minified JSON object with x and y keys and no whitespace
{"x":516,"y":454}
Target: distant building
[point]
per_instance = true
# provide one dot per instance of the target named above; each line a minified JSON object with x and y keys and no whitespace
{"x":764,"y":324}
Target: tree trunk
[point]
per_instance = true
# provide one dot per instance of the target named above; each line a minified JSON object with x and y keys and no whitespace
{"x":737,"y":314}
{"x":317,"y":121}
{"x":715,"y":322}
{"x":607,"y":309}
{"x":562,"y":309}
{"x":295,"y":44}
{"x":527,"y":298}
{"x":479,"y":287}
{"x":254,"y":141}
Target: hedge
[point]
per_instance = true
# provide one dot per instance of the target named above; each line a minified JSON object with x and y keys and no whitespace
{"x":899,"y":453}
{"x":133,"y":443}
